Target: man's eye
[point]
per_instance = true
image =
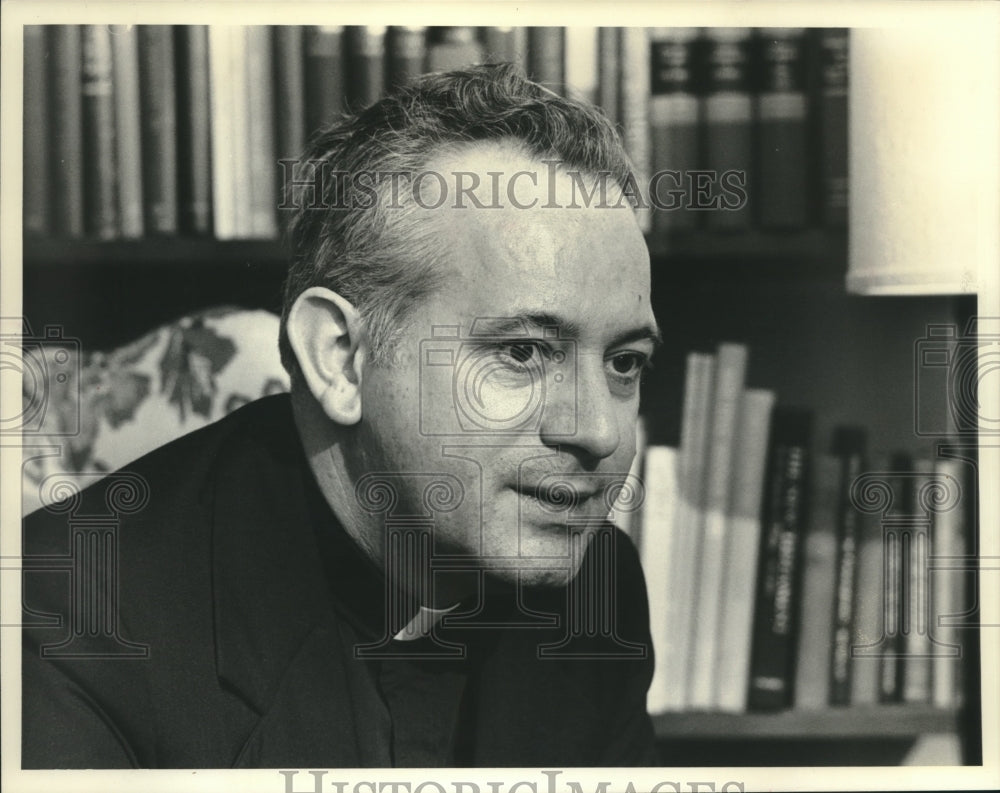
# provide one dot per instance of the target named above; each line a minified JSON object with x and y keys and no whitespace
{"x":628,"y":365}
{"x":519,"y":352}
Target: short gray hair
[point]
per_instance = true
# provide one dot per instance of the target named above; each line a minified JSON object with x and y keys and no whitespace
{"x":385,"y":268}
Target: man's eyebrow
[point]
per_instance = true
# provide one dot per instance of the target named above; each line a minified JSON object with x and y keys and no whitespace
{"x":567,"y":328}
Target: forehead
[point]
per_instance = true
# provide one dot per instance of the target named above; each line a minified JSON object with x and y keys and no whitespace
{"x":528,"y":237}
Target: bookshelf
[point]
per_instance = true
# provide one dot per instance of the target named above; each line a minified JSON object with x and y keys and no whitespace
{"x":773,"y":278}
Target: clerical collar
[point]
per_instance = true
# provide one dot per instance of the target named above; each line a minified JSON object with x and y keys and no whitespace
{"x":423,"y":623}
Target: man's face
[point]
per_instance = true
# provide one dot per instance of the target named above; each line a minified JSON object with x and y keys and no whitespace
{"x":519,"y":377}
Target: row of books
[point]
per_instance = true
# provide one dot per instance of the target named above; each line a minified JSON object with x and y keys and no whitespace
{"x":781,"y":577}
{"x":147,"y":130}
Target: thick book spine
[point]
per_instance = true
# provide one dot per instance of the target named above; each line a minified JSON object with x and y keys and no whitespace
{"x":868,"y":628}
{"x":739,"y":578}
{"x":657,"y":549}
{"x":833,"y":46}
{"x":453,"y":48}
{"x":406,"y":55}
{"x":128,"y":129}
{"x":324,"y":75}
{"x":916,"y":686}
{"x":608,"y":71}
{"x":730,"y":373}
{"x":819,"y":582}
{"x":194,"y":142}
{"x":849,"y":446}
{"x":100,"y":171}
{"x":635,"y":117}
{"x":781,"y":114}
{"x":238,"y":86}
{"x":692,"y":456}
{"x":581,"y":63}
{"x":263,"y":187}
{"x":673,"y":117}
{"x":223,"y":157}
{"x":947,"y":590}
{"x":785,"y":515}
{"x":727,"y":118}
{"x":891,"y":661}
{"x":158,"y":106}
{"x":66,"y":116}
{"x":289,"y":90}
{"x":547,"y":56}
{"x":365,"y":65}
{"x":623,"y":514}
{"x":36,"y":133}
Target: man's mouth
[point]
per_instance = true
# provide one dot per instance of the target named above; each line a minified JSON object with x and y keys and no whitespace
{"x":556,"y":497}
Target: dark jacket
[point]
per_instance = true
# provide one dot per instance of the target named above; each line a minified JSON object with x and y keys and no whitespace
{"x":229,"y":603}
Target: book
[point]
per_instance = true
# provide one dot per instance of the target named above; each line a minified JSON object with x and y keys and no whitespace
{"x":365,"y":65}
{"x":727,"y":123}
{"x":100,"y":171}
{"x":158,"y":117}
{"x":547,"y":56}
{"x":261,"y":153}
{"x":785,"y":516}
{"x":324,"y":75}
{"x":781,"y":117}
{"x":581,"y":63}
{"x":128,"y":133}
{"x":849,"y":444}
{"x":682,"y":584}
{"x":634,"y":115}
{"x":868,"y":630}
{"x":224,"y":43}
{"x":35,"y":132}
{"x":453,"y":48}
{"x":900,"y":480}
{"x":287,"y":57}
{"x":66,"y":125}
{"x":194,"y":140}
{"x":743,"y":527}
{"x":656,"y":551}
{"x":819,"y":588}
{"x":834,"y":49}
{"x":730,"y":373}
{"x":406,"y":53}
{"x":609,"y":72}
{"x":948,"y":561}
{"x":917,"y":647}
{"x":674,"y":127}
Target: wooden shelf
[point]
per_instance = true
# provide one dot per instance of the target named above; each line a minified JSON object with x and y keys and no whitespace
{"x":881,"y":721}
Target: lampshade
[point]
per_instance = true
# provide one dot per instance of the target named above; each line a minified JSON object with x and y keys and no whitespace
{"x":924,"y":120}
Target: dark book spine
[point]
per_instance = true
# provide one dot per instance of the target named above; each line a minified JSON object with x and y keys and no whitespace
{"x":100,"y":171}
{"x":781,"y":115}
{"x":365,"y":65}
{"x":849,"y":447}
{"x":785,"y":515}
{"x":158,"y":105}
{"x":727,"y":116}
{"x":194,"y":143}
{"x":890,"y":661}
{"x":546,"y":57}
{"x":66,"y":116}
{"x":673,"y":111}
{"x":608,"y":71}
{"x":264,"y":198}
{"x":324,"y":75}
{"x":128,"y":136}
{"x":833,"y":50}
{"x":498,"y":45}
{"x":406,"y":54}
{"x":36,"y":132}
{"x":289,"y":90}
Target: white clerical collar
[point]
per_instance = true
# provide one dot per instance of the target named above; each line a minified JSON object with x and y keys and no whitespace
{"x":422,"y":624}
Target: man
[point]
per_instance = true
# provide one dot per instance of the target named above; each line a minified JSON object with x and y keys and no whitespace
{"x":406,"y":561}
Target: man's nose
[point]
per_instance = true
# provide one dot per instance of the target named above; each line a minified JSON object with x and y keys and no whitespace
{"x":580,"y":411}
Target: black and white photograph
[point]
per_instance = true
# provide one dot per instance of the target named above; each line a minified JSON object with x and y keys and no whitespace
{"x":500,"y":397}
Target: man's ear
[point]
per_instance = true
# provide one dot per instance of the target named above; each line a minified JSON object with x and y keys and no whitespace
{"x":326,"y":333}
